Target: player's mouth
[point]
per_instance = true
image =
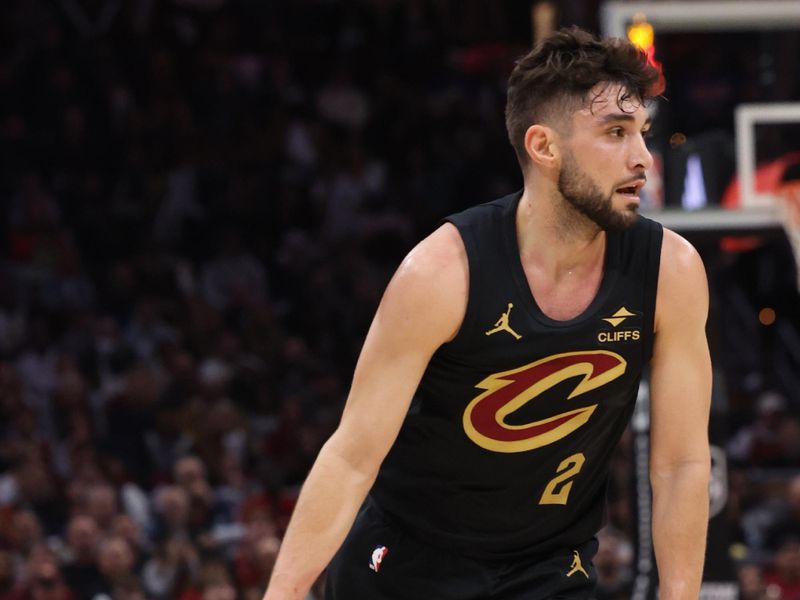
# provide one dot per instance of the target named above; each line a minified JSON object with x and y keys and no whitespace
{"x":631,"y":190}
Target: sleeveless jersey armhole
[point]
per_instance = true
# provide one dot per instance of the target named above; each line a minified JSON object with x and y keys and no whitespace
{"x":655,"y":237}
{"x":473,"y":261}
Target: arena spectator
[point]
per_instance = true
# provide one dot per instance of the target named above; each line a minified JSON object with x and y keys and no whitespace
{"x":759,"y":443}
{"x":117,"y":568}
{"x":171,"y":569}
{"x":613,"y":562}
{"x":787,"y":517}
{"x":79,"y":560}
{"x":10,"y":589}
{"x":43,"y":580}
{"x":782,"y":577}
{"x":25,"y":533}
{"x":172,"y":513}
{"x":751,"y":583}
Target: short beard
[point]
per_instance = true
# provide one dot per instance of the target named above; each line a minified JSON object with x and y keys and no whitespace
{"x":583,"y":195}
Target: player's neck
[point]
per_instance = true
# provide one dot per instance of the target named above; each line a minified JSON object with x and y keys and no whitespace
{"x":560,"y":240}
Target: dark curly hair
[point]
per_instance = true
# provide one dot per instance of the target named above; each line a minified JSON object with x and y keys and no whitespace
{"x":556,"y":77}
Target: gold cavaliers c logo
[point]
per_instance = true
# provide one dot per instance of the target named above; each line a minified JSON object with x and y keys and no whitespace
{"x":485,"y":417}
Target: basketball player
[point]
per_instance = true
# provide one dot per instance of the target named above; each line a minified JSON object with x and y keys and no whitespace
{"x":502,"y":367}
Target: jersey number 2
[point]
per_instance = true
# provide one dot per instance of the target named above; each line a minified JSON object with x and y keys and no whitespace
{"x":557,"y":491}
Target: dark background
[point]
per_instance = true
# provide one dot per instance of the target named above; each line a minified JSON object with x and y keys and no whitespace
{"x":200,"y":205}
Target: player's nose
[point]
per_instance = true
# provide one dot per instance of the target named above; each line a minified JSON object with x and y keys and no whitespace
{"x":640,"y":157}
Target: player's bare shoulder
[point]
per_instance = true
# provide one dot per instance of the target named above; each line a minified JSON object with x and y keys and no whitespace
{"x":441,"y":254}
{"x":432,"y":282}
{"x":680,"y":262}
{"x":682,"y":282}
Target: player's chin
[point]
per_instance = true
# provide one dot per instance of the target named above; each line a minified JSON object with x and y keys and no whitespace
{"x":631,"y":214}
{"x":624,"y":218}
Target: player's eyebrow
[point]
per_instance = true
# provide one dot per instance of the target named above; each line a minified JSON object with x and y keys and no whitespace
{"x":622,"y":117}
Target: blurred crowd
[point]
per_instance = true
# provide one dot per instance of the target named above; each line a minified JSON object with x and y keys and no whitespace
{"x":200,"y":204}
{"x":198,"y":218}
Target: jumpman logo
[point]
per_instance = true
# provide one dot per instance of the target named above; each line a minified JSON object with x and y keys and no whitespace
{"x":577,"y":567}
{"x":502,"y":324}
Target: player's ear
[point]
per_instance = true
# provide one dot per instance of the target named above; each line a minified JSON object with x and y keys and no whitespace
{"x":541,"y":145}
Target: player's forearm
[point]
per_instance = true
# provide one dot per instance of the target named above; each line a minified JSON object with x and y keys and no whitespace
{"x":329,"y":501}
{"x":680,"y":523}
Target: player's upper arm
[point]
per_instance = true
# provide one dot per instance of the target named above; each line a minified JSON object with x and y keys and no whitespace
{"x":681,"y":366}
{"x":423,"y":307}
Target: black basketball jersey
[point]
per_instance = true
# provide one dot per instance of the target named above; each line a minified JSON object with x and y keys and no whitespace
{"x":506,"y":446}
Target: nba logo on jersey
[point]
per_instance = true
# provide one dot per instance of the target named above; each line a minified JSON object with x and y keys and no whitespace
{"x":377,"y":557}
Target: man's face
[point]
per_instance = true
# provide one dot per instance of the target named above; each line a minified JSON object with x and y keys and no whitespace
{"x":605,"y":158}
{"x":82,"y":536}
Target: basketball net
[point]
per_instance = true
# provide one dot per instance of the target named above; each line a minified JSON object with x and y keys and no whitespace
{"x":790,"y":213}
